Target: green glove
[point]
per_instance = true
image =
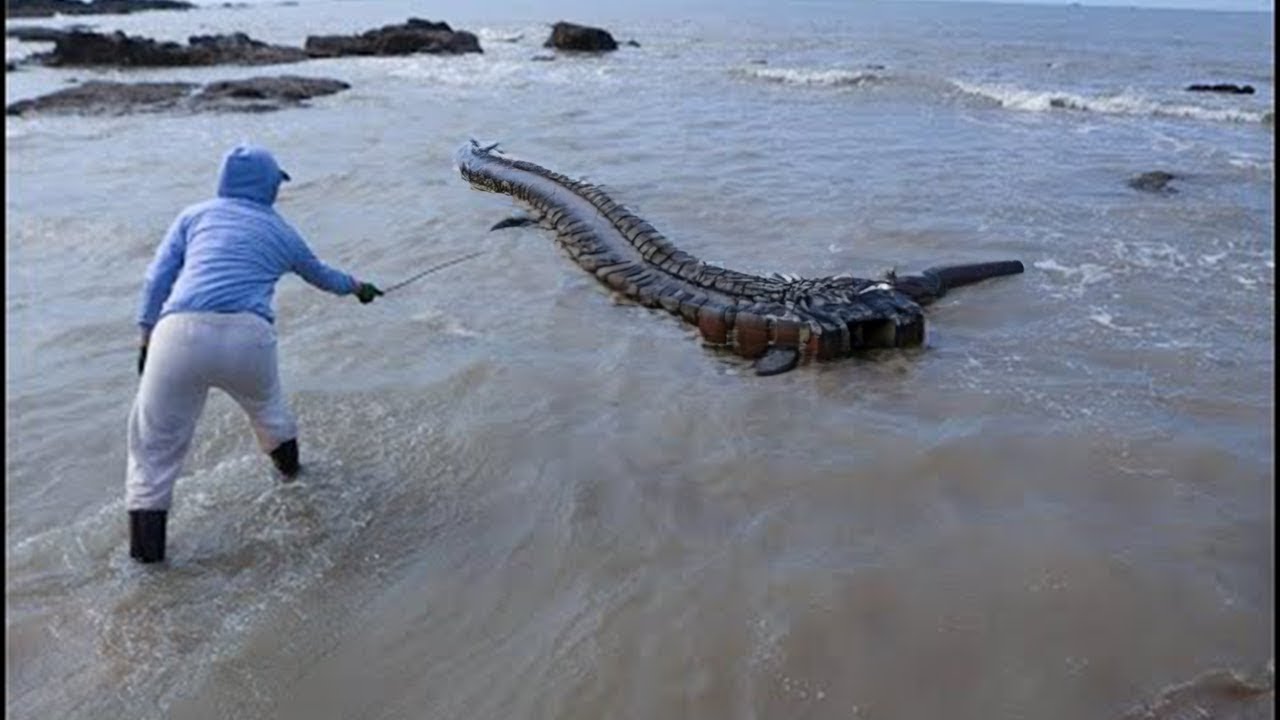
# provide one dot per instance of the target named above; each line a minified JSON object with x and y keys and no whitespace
{"x":366,"y":292}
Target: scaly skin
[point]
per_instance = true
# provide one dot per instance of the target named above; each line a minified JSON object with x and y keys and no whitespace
{"x":790,"y":320}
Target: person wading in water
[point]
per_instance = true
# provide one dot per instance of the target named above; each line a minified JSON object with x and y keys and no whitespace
{"x":207,"y":321}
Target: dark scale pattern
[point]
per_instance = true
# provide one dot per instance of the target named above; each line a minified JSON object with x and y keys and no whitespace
{"x":818,"y":318}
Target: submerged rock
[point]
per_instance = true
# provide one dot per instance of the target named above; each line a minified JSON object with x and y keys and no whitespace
{"x":415,"y":36}
{"x":264,"y":93}
{"x":78,"y":48}
{"x":1228,"y":88}
{"x":1156,"y":181}
{"x":100,"y":97}
{"x":49,"y":8}
{"x":568,"y":36}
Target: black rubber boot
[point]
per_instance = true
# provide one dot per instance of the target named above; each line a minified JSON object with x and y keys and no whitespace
{"x":146,"y":535}
{"x":286,"y":458}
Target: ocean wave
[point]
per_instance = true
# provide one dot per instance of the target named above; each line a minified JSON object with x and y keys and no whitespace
{"x":493,"y":35}
{"x":831,"y":77}
{"x":1085,"y":273}
{"x":1220,"y":692}
{"x":1018,"y":98}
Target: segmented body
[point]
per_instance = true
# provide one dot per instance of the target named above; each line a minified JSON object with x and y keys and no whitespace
{"x":821,"y":318}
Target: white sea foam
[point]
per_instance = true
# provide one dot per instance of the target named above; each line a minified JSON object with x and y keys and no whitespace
{"x":1018,"y":98}
{"x":831,"y":77}
{"x":1087,"y":273}
{"x":1105,"y":319}
{"x":494,"y":35}
{"x":1253,"y":164}
{"x":1151,"y":255}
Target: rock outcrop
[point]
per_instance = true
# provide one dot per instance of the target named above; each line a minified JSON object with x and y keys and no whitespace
{"x":89,"y":49}
{"x":568,"y":36}
{"x":1156,"y":181}
{"x":258,"y":94}
{"x":415,"y":36}
{"x":1229,"y":88}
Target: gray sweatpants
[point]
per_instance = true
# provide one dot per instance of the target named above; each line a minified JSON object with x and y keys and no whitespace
{"x":188,"y":353}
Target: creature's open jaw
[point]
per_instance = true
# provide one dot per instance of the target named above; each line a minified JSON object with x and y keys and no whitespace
{"x":780,"y":321}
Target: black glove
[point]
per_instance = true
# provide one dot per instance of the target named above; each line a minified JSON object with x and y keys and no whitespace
{"x":366,"y":292}
{"x":142,"y":358}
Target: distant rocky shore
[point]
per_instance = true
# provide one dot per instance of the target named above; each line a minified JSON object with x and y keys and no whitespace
{"x":81,"y":46}
{"x":90,"y":49}
{"x":49,"y":8}
{"x":84,"y":48}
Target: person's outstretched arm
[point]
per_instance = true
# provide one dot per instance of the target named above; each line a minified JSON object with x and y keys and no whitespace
{"x":316,"y":272}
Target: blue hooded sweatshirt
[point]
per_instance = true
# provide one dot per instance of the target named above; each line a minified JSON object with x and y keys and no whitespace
{"x":226,"y":254}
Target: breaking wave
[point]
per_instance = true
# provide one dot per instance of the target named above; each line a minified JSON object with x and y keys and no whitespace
{"x":830,"y":77}
{"x":1017,"y":98}
{"x":500,"y":35}
{"x":1214,"y":693}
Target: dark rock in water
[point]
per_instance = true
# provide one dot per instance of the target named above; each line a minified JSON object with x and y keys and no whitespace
{"x":259,"y":94}
{"x":98,"y":97}
{"x":1155,"y":181}
{"x":240,"y":49}
{"x":632,"y":43}
{"x":33,"y":33}
{"x":1223,"y":88}
{"x":10,"y":66}
{"x":264,"y":93}
{"x":543,"y":58}
{"x":568,"y":36}
{"x":120,"y":50}
{"x":414,"y":36}
{"x":49,"y":8}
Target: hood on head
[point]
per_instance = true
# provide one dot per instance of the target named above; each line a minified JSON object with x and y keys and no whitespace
{"x":250,"y":172}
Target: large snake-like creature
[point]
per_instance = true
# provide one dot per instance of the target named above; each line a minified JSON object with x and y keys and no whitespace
{"x":777,"y":321}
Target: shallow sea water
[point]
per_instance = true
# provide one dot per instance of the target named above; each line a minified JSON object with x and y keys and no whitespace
{"x":526,"y":498}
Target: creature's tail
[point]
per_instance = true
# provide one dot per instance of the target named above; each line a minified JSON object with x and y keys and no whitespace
{"x":953,"y":276}
{"x":936,"y":281}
